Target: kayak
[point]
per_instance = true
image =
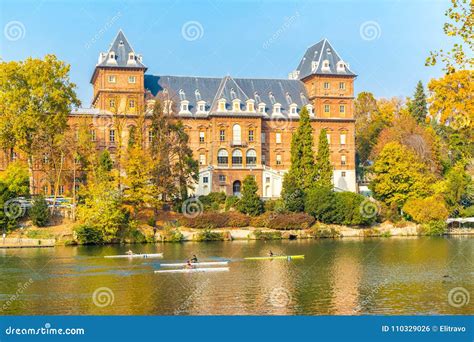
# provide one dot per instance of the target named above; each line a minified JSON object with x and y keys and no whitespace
{"x":195,"y":270}
{"x":278,"y":257}
{"x":197,"y":264}
{"x":131,"y":256}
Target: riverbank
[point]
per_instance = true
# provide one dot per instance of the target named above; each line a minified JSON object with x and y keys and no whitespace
{"x":63,"y":234}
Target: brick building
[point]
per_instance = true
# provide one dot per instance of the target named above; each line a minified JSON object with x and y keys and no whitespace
{"x":237,"y":126}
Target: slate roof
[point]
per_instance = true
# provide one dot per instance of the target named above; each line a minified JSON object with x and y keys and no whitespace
{"x":211,"y":89}
{"x":318,"y":53}
{"x":121,"y":48}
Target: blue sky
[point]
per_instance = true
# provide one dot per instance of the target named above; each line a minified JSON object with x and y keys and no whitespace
{"x":384,"y":42}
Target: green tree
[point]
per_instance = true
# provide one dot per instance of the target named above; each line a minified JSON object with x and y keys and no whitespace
{"x":323,"y":168}
{"x":39,"y":212}
{"x":302,"y":152}
{"x":399,"y":175}
{"x":292,"y":194}
{"x":250,"y":203}
{"x":7,"y":222}
{"x":418,"y":106}
{"x":320,"y":202}
{"x":36,"y":97}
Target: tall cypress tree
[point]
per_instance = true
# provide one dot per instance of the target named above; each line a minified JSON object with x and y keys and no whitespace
{"x":323,"y":162}
{"x":418,"y":108}
{"x":302,"y":152}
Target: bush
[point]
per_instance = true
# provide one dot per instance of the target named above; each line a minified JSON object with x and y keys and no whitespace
{"x":231,"y":202}
{"x":88,"y":235}
{"x":235,"y":219}
{"x":467,"y":212}
{"x":290,"y":221}
{"x":39,"y":212}
{"x":205,"y":221}
{"x":426,"y":210}
{"x":434,"y":228}
{"x":208,"y":235}
{"x":322,"y":232}
{"x":319,"y":203}
{"x":292,"y":195}
{"x":171,"y":234}
{"x":259,"y":235}
{"x":261,"y":220}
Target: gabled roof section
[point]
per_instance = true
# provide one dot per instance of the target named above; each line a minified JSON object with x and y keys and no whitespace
{"x":321,"y":59}
{"x":120,"y":54}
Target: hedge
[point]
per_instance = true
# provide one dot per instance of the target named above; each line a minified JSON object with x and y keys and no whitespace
{"x":216,"y":220}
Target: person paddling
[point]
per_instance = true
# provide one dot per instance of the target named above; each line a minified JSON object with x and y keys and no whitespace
{"x":270,"y":254}
{"x":129,"y":252}
{"x":189,"y":265}
{"x":194,"y":259}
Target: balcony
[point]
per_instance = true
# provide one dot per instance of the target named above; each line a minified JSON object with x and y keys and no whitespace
{"x":238,"y":143}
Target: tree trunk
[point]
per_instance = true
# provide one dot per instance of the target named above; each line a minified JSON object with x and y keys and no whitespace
{"x":30,"y":172}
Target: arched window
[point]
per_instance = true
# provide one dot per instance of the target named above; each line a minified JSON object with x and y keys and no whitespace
{"x":222,"y":157}
{"x":236,"y":135}
{"x":236,"y":188}
{"x":236,"y":157}
{"x":251,"y":157}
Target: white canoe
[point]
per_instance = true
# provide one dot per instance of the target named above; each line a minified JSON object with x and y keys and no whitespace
{"x":131,"y":256}
{"x":195,"y":270}
{"x":197,"y":264}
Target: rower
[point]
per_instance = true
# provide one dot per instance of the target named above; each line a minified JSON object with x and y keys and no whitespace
{"x":129,"y":252}
{"x":189,"y":264}
{"x":194,"y":259}
{"x":270,"y":254}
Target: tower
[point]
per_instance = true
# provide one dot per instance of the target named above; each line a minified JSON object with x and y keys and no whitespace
{"x":118,"y":79}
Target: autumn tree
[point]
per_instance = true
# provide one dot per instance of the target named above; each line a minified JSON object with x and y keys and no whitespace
{"x":460,"y":27}
{"x":36,"y":96}
{"x":323,"y":167}
{"x":418,"y":106}
{"x":398,"y":174}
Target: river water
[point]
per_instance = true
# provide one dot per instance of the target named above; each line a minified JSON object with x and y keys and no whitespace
{"x":345,"y":276}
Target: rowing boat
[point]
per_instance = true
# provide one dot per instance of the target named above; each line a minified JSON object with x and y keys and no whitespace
{"x":144,"y":256}
{"x":197,"y":264}
{"x":277,"y":257}
{"x":195,"y":270}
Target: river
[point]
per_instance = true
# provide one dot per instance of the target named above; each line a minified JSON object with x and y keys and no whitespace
{"x":402,"y":276}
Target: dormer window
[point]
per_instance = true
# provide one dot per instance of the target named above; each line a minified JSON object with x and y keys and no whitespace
{"x":261,"y":108}
{"x":121,"y":43}
{"x":182,"y":95}
{"x":250,"y":104}
{"x":221,"y":105}
{"x":112,"y":55}
{"x":341,"y":66}
{"x":310,"y":109}
{"x":131,"y":56}
{"x":201,"y":106}
{"x":184,"y":107}
{"x":293,"y":109}
{"x":325,"y":65}
{"x":236,"y":105}
{"x":276,"y":108}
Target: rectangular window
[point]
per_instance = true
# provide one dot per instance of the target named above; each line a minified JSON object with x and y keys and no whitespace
{"x":222,"y":135}
{"x":236,"y":160}
{"x":326,"y":108}
{"x":61,"y":190}
{"x":251,"y":135}
{"x":92,"y":133}
{"x":132,"y":79}
{"x":201,"y":137}
{"x":278,"y":138}
{"x":202,"y":159}
{"x":343,"y":174}
{"x":326,"y":85}
{"x":343,"y":139}
{"x":221,"y":178}
{"x":150,"y":136}
{"x":342,"y":85}
{"x":112,"y":135}
{"x":263,"y":138}
{"x":112,"y":103}
{"x":205,"y":180}
{"x":343,"y":160}
{"x":267,"y":179}
{"x":342,"y":109}
{"x":131,"y":103}
{"x":112,"y":79}
{"x":264,"y":159}
{"x":328,"y":137}
{"x":278,"y":159}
